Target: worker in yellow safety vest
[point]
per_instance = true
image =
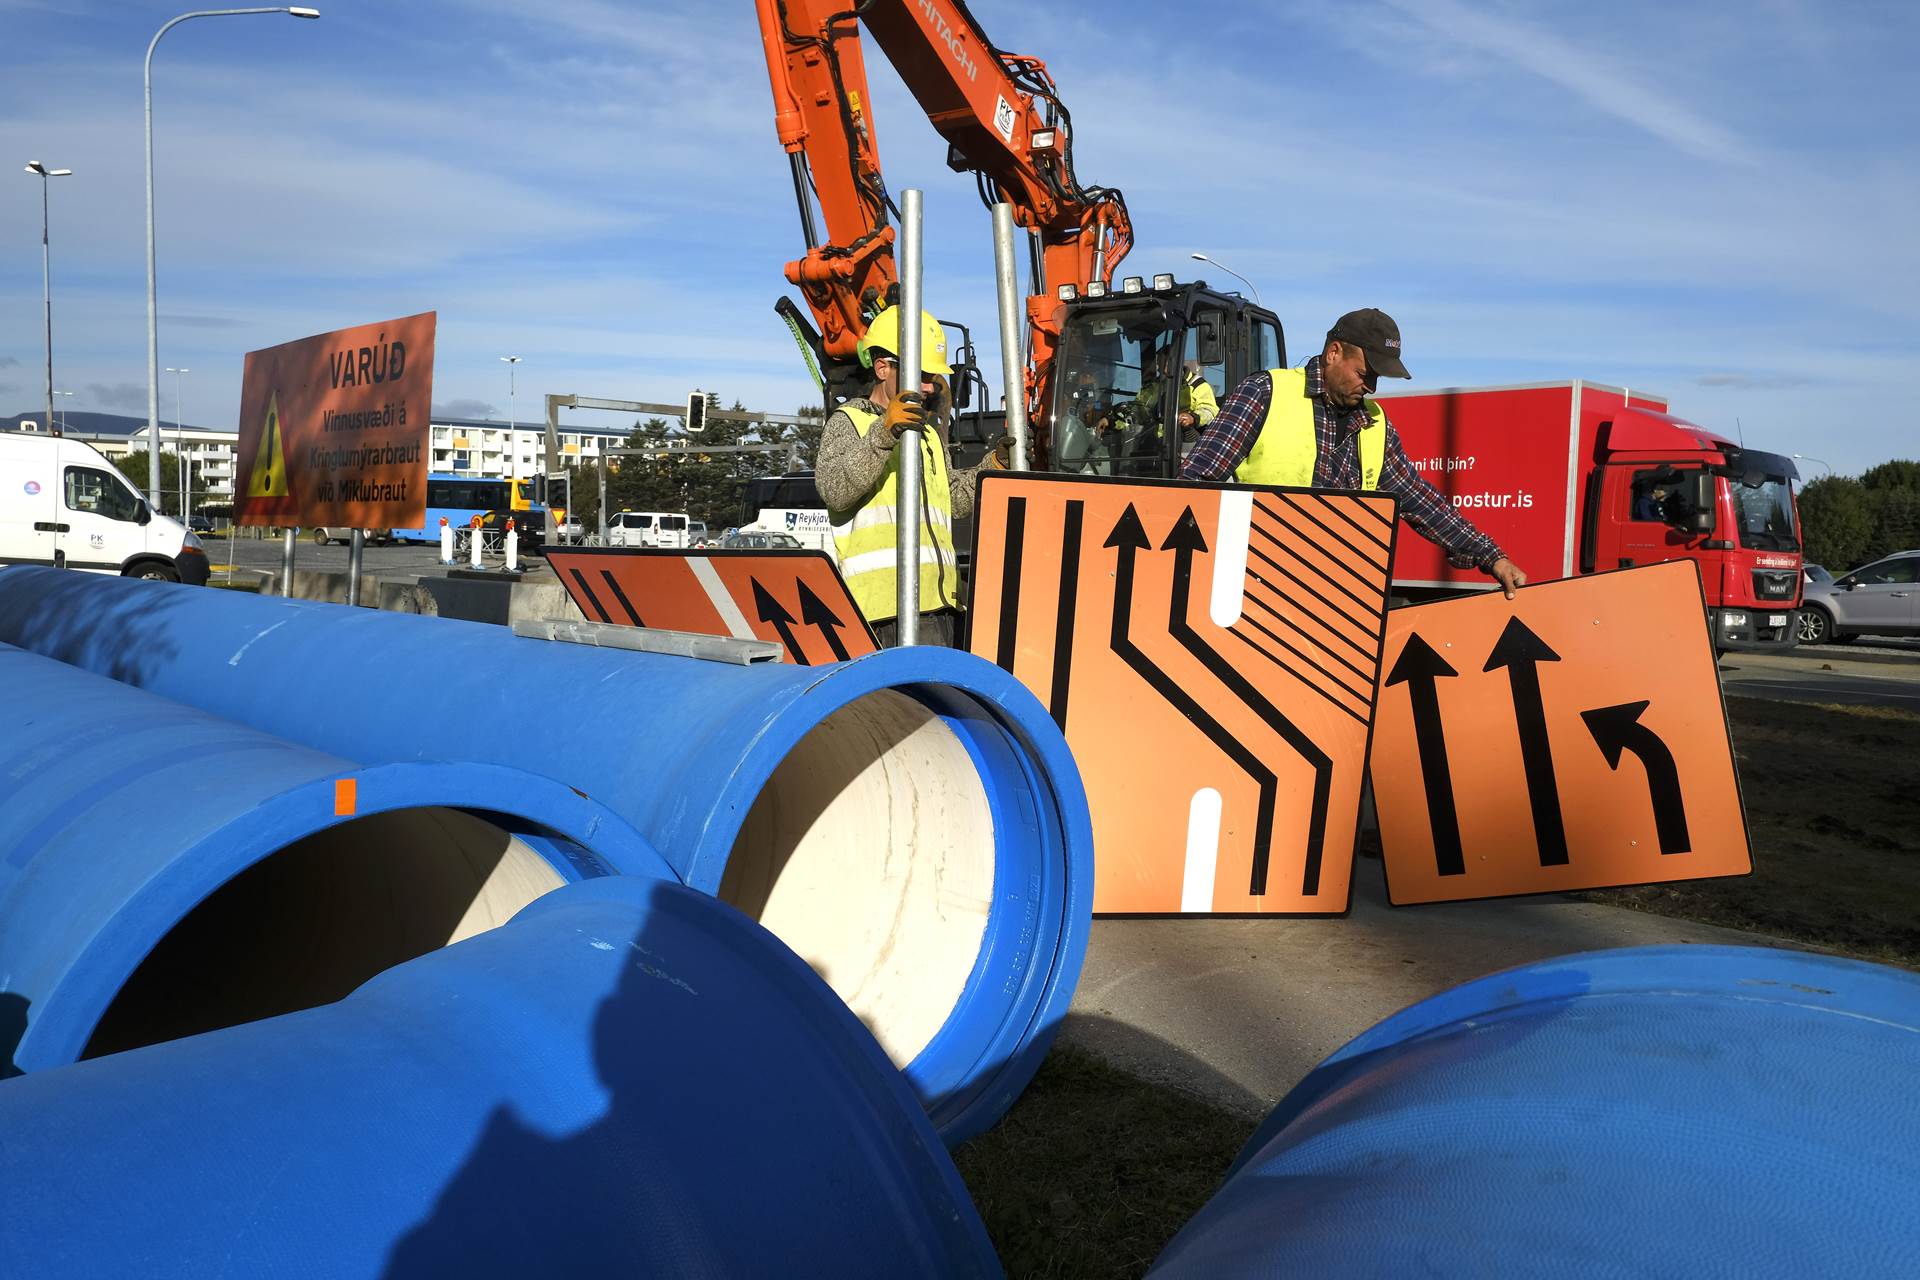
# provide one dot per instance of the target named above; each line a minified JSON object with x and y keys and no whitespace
{"x":1314,"y":426}
{"x":857,"y":470}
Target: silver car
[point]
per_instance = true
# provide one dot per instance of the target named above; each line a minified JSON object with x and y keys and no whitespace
{"x":1879,"y":599}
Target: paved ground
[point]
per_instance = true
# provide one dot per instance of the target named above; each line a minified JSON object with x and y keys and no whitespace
{"x":1885,"y":674}
{"x":404,"y":558}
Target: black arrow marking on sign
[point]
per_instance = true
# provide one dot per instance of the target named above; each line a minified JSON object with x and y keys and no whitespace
{"x":772,"y":611}
{"x":1183,"y":541}
{"x":1421,"y":668}
{"x":1130,"y":536}
{"x":1617,"y":729}
{"x":815,"y":612}
{"x":1520,"y":652}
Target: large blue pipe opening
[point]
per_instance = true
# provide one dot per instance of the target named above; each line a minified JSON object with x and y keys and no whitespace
{"x":911,"y":822}
{"x":628,"y":1079}
{"x":1663,"y":1111}
{"x":165,"y":872}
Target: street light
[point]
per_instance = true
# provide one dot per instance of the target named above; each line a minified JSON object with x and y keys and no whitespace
{"x":180,"y":437}
{"x":1201,"y":257}
{"x":153,"y":322}
{"x":46,"y":268}
{"x":63,"y":412}
{"x":513,"y":440}
{"x":1801,"y":457}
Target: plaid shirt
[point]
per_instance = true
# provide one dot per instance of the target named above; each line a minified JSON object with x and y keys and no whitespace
{"x":1229,"y":438}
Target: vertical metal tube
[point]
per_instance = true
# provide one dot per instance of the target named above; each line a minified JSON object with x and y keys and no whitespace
{"x":800,"y":193}
{"x":1013,"y":354}
{"x":907,"y":513}
{"x":356,"y":546}
{"x":286,"y":561}
{"x":153,"y":313}
{"x":1099,"y":257}
{"x":46,"y":276}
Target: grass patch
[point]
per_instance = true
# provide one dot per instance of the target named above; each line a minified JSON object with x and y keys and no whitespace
{"x":1831,"y":811}
{"x":1093,"y":1171}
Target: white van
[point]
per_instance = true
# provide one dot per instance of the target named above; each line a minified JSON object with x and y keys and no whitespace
{"x":62,"y":504}
{"x":647,"y":529}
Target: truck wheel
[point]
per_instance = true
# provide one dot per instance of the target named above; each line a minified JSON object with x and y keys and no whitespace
{"x":1816,"y":626}
{"x":154,"y":571}
{"x":320,"y":538}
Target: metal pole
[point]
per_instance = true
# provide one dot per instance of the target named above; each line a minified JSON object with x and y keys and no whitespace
{"x":286,"y":562}
{"x":356,"y":547}
{"x":1013,"y":358}
{"x":907,"y":378}
{"x":46,"y":277}
{"x":602,"y":469}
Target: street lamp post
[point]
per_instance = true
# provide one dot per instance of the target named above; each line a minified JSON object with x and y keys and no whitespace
{"x":180,"y":441}
{"x":153,"y":324}
{"x":63,"y":412}
{"x":1201,"y":257}
{"x":46,"y":269}
{"x":1801,"y":457}
{"x":513,"y":441}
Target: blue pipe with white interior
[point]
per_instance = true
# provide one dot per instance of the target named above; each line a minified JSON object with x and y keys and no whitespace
{"x":910,"y":822}
{"x":1660,"y":1111}
{"x":165,"y":872}
{"x":629,"y":1078}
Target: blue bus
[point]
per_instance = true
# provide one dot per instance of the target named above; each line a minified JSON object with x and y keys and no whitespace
{"x":461,"y":498}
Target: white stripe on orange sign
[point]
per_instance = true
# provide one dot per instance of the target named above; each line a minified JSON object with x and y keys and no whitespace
{"x":1203,"y":851}
{"x":723,"y":604}
{"x":1230,"y":535}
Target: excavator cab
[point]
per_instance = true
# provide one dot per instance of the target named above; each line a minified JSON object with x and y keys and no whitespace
{"x":1119,"y":384}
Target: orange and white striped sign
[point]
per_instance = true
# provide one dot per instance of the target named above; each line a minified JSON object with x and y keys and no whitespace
{"x":1210,"y":651}
{"x":794,"y":597}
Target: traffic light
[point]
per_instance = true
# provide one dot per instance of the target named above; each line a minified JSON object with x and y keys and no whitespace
{"x":696,"y":413}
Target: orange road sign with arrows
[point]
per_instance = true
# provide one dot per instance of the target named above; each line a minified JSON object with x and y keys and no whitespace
{"x":1210,"y":651}
{"x":794,"y":597}
{"x":1572,"y":738}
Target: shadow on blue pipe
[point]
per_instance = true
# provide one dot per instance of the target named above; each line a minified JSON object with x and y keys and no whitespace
{"x":165,"y":872}
{"x":629,"y":1078}
{"x":910,"y":822}
{"x":1676,"y":1111}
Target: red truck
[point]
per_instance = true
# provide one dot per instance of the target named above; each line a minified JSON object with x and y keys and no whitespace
{"x":1577,"y":477}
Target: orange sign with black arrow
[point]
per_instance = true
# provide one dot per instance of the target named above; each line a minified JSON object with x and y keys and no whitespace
{"x":794,"y":597}
{"x":1573,"y":738}
{"x":1210,"y":652}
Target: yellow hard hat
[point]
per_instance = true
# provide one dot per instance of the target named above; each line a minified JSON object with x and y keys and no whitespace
{"x":884,"y":335}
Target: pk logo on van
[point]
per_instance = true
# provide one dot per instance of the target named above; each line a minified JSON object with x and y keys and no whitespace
{"x":33,"y":488}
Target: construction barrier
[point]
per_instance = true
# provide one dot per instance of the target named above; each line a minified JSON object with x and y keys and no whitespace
{"x":164,"y":872}
{"x":627,"y":1079}
{"x":1672,"y":1111}
{"x":910,"y":822}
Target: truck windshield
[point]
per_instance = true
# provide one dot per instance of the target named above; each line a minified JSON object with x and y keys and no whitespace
{"x":1102,"y":425}
{"x":1765,"y":507}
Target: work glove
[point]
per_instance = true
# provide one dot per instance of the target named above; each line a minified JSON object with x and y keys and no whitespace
{"x":905,"y":411}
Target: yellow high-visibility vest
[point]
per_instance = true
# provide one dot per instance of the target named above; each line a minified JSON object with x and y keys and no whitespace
{"x":1287,"y":447}
{"x":867,"y":538}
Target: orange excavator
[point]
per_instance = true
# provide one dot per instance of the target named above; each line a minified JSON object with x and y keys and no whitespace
{"x":1097,"y":353}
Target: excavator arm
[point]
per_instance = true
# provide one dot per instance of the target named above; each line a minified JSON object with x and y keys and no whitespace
{"x":1002,"y":120}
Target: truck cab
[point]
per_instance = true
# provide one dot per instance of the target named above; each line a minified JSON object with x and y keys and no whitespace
{"x":63,"y":504}
{"x":1666,"y":489}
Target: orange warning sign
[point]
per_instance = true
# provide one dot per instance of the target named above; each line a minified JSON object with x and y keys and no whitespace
{"x":794,"y":597}
{"x":1210,"y":652}
{"x":333,"y":428}
{"x":1572,"y":738}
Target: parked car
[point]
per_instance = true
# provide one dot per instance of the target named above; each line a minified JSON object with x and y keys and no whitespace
{"x":199,"y":524}
{"x":761,"y":542}
{"x":697,"y":533}
{"x":1814,"y":574}
{"x":324,"y":536}
{"x":666,"y":529}
{"x":1879,"y":599}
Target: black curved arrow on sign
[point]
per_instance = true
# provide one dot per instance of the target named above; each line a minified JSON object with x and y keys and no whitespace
{"x":815,"y":612}
{"x":1421,"y":668}
{"x":1183,"y":541}
{"x":1130,"y":537}
{"x":1618,"y":729}
{"x":1520,"y":652}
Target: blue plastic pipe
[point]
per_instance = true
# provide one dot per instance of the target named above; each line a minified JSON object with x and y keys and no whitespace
{"x":123,"y":814}
{"x":630,"y":1079}
{"x":684,"y":750}
{"x":1663,"y":1111}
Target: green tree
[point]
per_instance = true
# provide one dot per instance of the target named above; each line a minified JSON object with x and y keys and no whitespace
{"x":1899,"y":473}
{"x":134,"y":466}
{"x":1896,"y":525}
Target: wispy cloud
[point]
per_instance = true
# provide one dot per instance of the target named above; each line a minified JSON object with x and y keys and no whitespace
{"x":1584,"y":71}
{"x":462,"y":409}
{"x":117,"y":395}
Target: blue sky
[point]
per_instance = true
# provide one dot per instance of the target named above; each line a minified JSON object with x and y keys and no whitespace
{"x":1715,"y":201}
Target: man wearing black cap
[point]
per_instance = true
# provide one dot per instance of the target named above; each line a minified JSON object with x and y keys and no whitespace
{"x":1315,"y":426}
